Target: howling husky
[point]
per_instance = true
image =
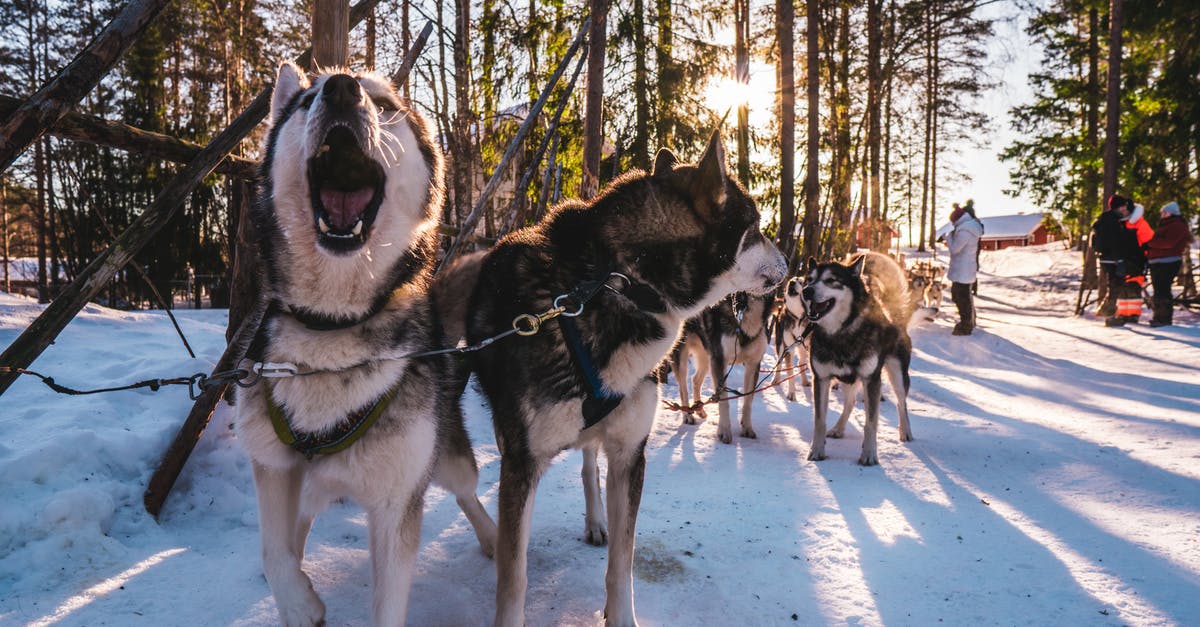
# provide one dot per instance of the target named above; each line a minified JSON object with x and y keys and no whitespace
{"x":655,"y":249}
{"x":346,"y":220}
{"x":857,"y":336}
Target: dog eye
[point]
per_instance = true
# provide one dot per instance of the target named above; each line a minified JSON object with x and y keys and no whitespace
{"x":307,"y":101}
{"x":831,"y":282}
{"x":385,"y":104}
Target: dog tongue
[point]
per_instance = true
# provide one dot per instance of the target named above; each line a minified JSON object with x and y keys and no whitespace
{"x":345,"y":208}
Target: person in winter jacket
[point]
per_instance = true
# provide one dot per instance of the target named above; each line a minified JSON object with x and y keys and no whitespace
{"x":1165,"y":252}
{"x":963,"y":244}
{"x":1129,"y":292}
{"x":1116,"y":245}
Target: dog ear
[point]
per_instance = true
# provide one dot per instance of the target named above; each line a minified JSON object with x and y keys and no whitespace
{"x":857,"y":266}
{"x":290,"y":81}
{"x":809,"y":264}
{"x":664,"y":162}
{"x":712,"y":174}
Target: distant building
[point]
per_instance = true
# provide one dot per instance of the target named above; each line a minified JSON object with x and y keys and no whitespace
{"x":999,"y":232}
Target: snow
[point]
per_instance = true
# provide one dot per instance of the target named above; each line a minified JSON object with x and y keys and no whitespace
{"x":1053,"y":480}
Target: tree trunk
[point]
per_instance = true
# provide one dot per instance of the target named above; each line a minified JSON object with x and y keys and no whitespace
{"x":405,"y":43}
{"x":369,"y":53}
{"x":330,"y":33}
{"x":935,"y":90}
{"x":1091,"y":176}
{"x":461,"y":157}
{"x":40,"y":222}
{"x":874,"y":37}
{"x":593,"y":129}
{"x":640,"y":146}
{"x":812,"y":189}
{"x":785,"y":21}
{"x":1112,"y":127}
{"x":741,"y":54}
{"x":4,"y":231}
{"x":665,"y":85}
{"x":928,"y":126}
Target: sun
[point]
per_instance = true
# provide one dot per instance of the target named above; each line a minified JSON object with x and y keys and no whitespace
{"x":724,"y":93}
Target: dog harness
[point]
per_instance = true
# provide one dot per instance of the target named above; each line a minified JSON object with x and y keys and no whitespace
{"x":339,"y":438}
{"x":600,"y":400}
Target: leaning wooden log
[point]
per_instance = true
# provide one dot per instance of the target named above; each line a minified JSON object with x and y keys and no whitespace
{"x":95,"y":276}
{"x":414,"y":52}
{"x":538,"y":154}
{"x":93,"y":130}
{"x":65,"y":90}
{"x":193,"y":427}
{"x":468,"y":225}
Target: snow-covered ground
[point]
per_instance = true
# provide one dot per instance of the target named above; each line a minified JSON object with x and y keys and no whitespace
{"x":1054,"y":480}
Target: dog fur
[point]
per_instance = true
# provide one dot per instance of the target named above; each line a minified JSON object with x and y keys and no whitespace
{"x":346,"y":222}
{"x":686,"y":236}
{"x":719,"y":339}
{"x":791,"y":354}
{"x":857,"y":336}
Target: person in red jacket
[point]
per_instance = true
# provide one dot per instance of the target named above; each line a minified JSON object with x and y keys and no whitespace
{"x":1165,"y":252}
{"x":1131,"y":269}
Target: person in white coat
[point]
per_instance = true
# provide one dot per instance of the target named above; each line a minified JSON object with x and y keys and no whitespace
{"x":963,"y":244}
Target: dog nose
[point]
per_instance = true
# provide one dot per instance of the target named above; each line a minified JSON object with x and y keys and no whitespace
{"x":341,"y":90}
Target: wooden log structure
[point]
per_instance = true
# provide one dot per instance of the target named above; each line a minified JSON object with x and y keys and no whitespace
{"x":92,"y":279}
{"x":93,"y":130}
{"x":25,"y":125}
{"x":472,"y":219}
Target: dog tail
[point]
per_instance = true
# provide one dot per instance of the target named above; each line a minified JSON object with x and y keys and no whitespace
{"x":451,"y":294}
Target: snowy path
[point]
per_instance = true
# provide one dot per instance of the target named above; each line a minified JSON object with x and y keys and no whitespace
{"x":1054,"y":480}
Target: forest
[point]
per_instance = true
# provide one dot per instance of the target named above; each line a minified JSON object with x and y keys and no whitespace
{"x":849,"y":145}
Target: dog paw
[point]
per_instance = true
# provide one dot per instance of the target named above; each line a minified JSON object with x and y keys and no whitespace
{"x":791,"y":397}
{"x":906,"y":437}
{"x":868,"y":459}
{"x":304,"y":610}
{"x":748,"y":432}
{"x":815,"y":456}
{"x":836,"y":434}
{"x":595,"y":534}
{"x":689,"y":419}
{"x":700,"y":414}
{"x":725,"y":436}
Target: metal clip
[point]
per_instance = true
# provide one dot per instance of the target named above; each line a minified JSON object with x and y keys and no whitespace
{"x":271,"y":370}
{"x":529,"y":324}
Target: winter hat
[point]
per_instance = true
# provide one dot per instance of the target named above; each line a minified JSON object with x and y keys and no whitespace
{"x":1171,"y":208}
{"x":1117,"y":200}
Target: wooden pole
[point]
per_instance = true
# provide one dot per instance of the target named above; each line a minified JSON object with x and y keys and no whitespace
{"x":93,"y":130}
{"x":331,"y":33}
{"x":468,"y":225}
{"x":193,"y":427}
{"x":92,"y":279}
{"x":65,"y":90}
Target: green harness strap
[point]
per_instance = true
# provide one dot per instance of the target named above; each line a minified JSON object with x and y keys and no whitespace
{"x":347,"y":432}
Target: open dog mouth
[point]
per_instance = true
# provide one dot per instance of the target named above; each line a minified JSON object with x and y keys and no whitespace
{"x":816,"y":310}
{"x":346,"y":187}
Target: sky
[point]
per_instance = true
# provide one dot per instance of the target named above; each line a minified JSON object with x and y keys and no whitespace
{"x":1052,"y":481}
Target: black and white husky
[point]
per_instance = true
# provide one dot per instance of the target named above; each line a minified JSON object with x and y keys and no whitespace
{"x":856,"y":337}
{"x":346,"y":219}
{"x":665,"y":245}
{"x":727,"y":334}
{"x":790,"y":351}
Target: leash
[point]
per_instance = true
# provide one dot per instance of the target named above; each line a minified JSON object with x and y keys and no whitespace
{"x":253,"y":373}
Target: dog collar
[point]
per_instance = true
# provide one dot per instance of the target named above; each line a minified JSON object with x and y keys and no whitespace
{"x":340,"y":437}
{"x":323,"y":322}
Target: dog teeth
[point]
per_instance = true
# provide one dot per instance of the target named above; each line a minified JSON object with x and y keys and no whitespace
{"x":323,"y":149}
{"x":358,"y":228}
{"x":322,"y":225}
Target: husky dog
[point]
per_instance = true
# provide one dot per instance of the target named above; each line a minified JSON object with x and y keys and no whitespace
{"x":346,"y":219}
{"x":727,"y":334}
{"x":857,"y":336}
{"x":791,"y":353}
{"x":665,"y":245}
